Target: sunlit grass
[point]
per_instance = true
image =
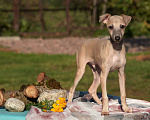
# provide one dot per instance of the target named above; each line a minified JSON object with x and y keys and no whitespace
{"x":17,"y":69}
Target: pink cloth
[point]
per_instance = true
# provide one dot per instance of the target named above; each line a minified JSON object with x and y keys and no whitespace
{"x":90,"y":110}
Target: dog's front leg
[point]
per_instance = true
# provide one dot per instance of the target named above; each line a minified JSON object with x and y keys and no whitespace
{"x":103,"y":78}
{"x":122,"y":78}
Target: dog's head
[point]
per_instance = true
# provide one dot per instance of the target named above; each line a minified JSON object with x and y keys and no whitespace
{"x":116,"y":25}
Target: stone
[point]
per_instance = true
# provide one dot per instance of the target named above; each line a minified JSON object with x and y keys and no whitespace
{"x":14,"y":105}
{"x":53,"y":94}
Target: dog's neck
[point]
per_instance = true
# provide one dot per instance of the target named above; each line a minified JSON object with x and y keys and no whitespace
{"x":116,"y":46}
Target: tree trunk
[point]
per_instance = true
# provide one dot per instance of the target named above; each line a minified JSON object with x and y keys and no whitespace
{"x":5,"y":95}
{"x":16,"y":4}
{"x":94,"y":12}
{"x":30,"y":93}
{"x":41,"y":15}
{"x":14,"y":94}
{"x":103,"y":12}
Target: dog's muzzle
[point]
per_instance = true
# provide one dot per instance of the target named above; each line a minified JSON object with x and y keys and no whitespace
{"x":117,"y":38}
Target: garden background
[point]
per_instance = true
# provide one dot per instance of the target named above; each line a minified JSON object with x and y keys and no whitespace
{"x":48,"y":19}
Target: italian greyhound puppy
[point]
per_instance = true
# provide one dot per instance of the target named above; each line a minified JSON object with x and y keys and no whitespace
{"x":103,"y":56}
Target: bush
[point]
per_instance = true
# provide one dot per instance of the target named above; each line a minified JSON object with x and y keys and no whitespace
{"x":56,"y":21}
{"x":140,"y":23}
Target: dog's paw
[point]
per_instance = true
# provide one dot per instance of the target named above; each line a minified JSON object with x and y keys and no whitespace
{"x":105,"y":113}
{"x":126,"y":109}
{"x":69,"y":101}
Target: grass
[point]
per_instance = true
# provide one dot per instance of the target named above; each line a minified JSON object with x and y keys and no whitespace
{"x":17,"y":69}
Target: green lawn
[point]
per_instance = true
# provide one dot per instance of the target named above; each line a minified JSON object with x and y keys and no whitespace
{"x":17,"y":69}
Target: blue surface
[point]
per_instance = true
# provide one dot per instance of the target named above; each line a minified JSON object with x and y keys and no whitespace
{"x":6,"y":115}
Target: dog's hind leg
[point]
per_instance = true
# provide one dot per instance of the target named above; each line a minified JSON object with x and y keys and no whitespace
{"x":81,"y":63}
{"x":96,"y":82}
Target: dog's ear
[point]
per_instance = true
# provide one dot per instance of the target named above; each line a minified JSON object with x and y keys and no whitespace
{"x":126,"y":19}
{"x":104,"y":18}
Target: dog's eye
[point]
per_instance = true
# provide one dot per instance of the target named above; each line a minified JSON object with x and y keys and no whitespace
{"x":122,"y":26}
{"x":111,"y":27}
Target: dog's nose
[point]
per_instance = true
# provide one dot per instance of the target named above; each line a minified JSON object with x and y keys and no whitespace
{"x":117,"y":38}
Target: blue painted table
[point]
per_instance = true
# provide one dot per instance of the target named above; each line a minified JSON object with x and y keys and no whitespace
{"x":6,"y":115}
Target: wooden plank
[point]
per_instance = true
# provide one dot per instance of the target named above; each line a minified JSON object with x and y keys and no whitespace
{"x":45,"y":9}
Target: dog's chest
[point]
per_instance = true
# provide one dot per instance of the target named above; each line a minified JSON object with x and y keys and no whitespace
{"x":115,"y":63}
{"x":116,"y":59}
